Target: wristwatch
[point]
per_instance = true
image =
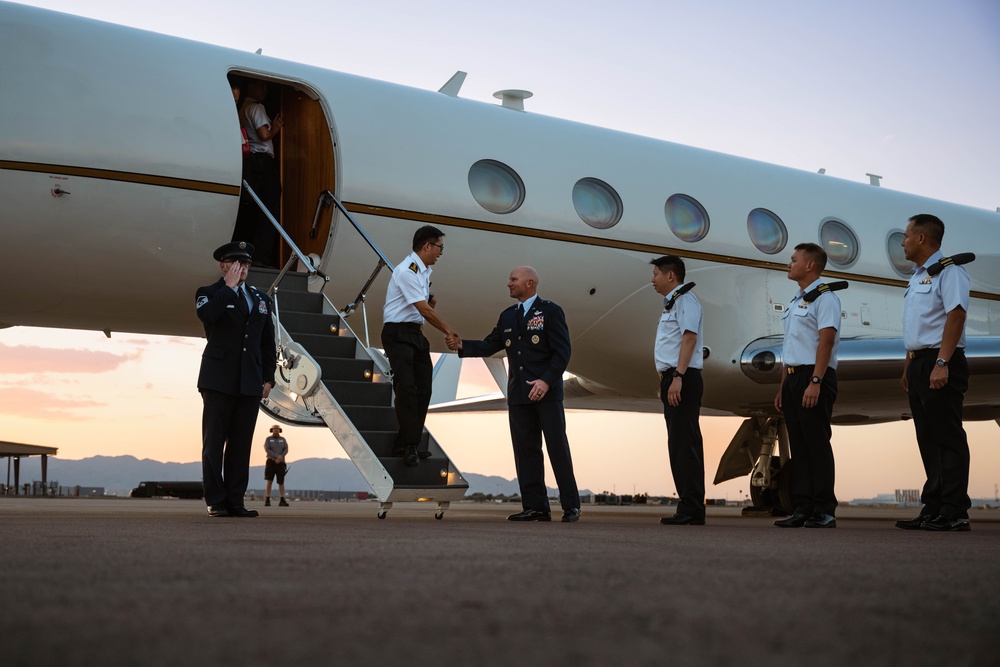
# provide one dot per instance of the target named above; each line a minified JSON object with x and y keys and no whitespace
{"x":677,"y":374}
{"x":941,"y":363}
{"x":816,"y":379}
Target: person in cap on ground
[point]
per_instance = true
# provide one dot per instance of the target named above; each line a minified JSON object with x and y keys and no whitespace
{"x":237,"y":371}
{"x":276,"y":448}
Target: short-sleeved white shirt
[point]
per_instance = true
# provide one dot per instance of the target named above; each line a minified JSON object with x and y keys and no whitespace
{"x":803,"y":321}
{"x":686,"y":315}
{"x":410,"y":284}
{"x":252,"y":116}
{"x":927,"y":302}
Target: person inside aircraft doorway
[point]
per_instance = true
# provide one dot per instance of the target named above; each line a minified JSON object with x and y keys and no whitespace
{"x":260,"y":169}
{"x":276,"y":448}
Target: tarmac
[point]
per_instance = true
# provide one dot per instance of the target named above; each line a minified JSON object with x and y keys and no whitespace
{"x":156,"y":582}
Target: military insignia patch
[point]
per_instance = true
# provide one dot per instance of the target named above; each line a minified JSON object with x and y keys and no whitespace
{"x":926,"y":281}
{"x":536,"y":323}
{"x":262,"y":307}
{"x":413,"y":267}
{"x":535,"y":339}
{"x":202,"y":300}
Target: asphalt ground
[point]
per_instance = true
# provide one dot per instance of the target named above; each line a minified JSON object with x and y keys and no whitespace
{"x":156,"y":582}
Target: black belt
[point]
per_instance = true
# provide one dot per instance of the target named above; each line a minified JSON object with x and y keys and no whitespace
{"x":931,"y":352}
{"x":415,"y":326}
{"x":792,"y":370}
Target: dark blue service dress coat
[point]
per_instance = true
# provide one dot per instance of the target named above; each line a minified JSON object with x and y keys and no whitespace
{"x":239,"y":357}
{"x":537,"y":349}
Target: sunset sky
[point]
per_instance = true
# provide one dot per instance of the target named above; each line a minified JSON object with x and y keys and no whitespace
{"x":902,"y":88}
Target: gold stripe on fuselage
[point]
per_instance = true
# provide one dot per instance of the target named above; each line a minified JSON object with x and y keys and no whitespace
{"x":449,"y":221}
{"x":124,"y":177}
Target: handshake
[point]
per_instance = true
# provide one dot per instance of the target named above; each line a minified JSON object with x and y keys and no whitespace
{"x":453,"y":341}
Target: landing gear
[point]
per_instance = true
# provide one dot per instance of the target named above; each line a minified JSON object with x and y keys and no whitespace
{"x":771,"y":476}
{"x":777,"y":497}
{"x":383,"y":509}
{"x":440,"y":510}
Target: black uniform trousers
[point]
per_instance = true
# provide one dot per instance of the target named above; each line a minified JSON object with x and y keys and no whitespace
{"x":809,"y":435}
{"x":228,"y":422}
{"x":528,"y":422}
{"x":409,"y":355}
{"x":684,"y":442}
{"x":944,"y":447}
{"x":261,"y":171}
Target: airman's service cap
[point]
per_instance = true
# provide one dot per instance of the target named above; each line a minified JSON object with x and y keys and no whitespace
{"x":235,"y":250}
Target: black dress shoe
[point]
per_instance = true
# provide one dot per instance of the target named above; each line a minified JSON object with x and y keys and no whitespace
{"x":795,"y":521}
{"x":821,"y":520}
{"x":217,"y":510}
{"x":411,"y":459}
{"x":530,"y":515}
{"x":913,"y":524}
{"x":242,"y":512}
{"x":571,"y":515}
{"x":682,"y":520}
{"x":942,"y":522}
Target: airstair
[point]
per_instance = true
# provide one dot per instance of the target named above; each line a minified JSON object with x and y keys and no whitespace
{"x":327,"y":376}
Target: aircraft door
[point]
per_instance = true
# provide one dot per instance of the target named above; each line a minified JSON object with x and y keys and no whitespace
{"x":307,"y":169}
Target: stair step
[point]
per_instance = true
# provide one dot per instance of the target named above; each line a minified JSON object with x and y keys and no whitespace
{"x":372,"y":417}
{"x":360,"y":393}
{"x":425,"y":475}
{"x":383,"y":442}
{"x":297,"y":323}
{"x":338,"y":368}
{"x":328,"y":345}
{"x":302,"y":302}
{"x":262,"y":278}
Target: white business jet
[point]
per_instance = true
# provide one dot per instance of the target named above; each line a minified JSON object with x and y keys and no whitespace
{"x":120,"y":156}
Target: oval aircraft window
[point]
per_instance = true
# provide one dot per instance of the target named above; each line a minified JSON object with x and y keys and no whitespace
{"x":894,"y":248}
{"x":496,"y":186}
{"x":767,"y":231}
{"x":839,"y":242}
{"x":597,"y":203}
{"x":686,"y":218}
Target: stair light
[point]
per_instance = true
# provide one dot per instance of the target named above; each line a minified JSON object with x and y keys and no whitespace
{"x":444,"y":472}
{"x":368,"y":374}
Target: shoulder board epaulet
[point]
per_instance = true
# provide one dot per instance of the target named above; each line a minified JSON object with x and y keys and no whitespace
{"x":958,"y":260}
{"x":812,"y":295}
{"x":683,"y":289}
{"x":413,"y":267}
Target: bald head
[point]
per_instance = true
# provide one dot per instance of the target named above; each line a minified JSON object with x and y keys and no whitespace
{"x":523,"y":283}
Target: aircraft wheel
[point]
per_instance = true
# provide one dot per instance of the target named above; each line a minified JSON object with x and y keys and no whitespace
{"x":382,"y":513}
{"x":777,"y":497}
{"x":439,"y":515}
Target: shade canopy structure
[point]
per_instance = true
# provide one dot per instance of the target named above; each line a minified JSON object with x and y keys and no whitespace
{"x":13,"y":451}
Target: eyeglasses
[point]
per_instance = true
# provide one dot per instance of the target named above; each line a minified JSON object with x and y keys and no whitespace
{"x":438,"y":245}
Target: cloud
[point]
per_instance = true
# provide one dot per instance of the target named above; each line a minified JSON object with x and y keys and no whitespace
{"x":33,"y":359}
{"x":32,"y":404}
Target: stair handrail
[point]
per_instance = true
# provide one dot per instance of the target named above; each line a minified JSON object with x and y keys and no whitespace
{"x":326,"y":197}
{"x":296,"y":252}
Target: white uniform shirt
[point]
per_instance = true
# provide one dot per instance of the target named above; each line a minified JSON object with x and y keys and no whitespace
{"x":252,"y":116}
{"x":927,"y":302}
{"x":410,"y":284}
{"x":802,"y":323}
{"x":684,"y":316}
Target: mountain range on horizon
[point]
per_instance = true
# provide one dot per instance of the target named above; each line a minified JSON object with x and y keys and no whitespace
{"x":120,"y":474}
